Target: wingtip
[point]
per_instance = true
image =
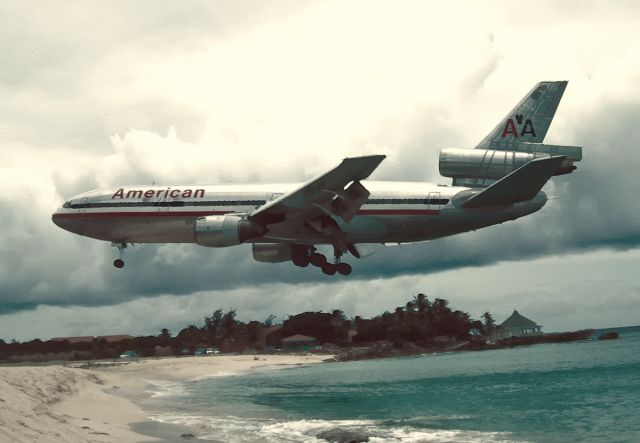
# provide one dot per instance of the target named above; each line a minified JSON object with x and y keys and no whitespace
{"x":378,"y":157}
{"x":553,"y":160}
{"x":557,"y":82}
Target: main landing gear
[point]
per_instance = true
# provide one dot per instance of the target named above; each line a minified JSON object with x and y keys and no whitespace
{"x":119,"y":262}
{"x":310,"y":257}
{"x":340,"y":268}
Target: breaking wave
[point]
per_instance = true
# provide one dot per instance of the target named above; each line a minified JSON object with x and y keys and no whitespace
{"x":234,"y":429}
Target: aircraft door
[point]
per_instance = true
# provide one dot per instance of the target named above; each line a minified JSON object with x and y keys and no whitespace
{"x":83,"y":204}
{"x":433,"y":201}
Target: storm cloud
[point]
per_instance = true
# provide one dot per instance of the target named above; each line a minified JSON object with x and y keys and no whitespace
{"x":233,"y":92}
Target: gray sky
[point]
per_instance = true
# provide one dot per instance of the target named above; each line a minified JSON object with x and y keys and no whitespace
{"x":108,"y":94}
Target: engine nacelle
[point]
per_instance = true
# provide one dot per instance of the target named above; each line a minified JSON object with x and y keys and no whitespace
{"x":279,"y":252}
{"x":272,"y":252}
{"x":218,"y":231}
{"x":489,"y":164}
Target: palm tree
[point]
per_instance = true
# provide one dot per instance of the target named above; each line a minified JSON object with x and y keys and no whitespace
{"x":269,"y":321}
{"x":441,"y":303}
{"x":423,"y":304}
{"x":410,"y":307}
{"x":489,"y":322}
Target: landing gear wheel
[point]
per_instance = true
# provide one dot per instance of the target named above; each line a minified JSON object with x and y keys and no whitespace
{"x":301,"y":261}
{"x":118,"y":262}
{"x":343,"y":268}
{"x":318,"y":260}
{"x":328,"y":269}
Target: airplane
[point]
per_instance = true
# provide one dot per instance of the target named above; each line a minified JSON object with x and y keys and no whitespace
{"x":497,"y":181}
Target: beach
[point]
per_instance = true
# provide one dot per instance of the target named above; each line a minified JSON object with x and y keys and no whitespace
{"x":96,"y":402}
{"x":585,"y":390}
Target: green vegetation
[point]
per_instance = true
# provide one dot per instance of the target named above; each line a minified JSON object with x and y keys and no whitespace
{"x":421,"y":322}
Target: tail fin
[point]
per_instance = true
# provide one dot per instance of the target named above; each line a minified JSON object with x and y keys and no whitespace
{"x":529,"y":121}
{"x":521,"y":185}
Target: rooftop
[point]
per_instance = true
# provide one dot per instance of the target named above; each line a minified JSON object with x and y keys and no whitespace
{"x":518,"y":320}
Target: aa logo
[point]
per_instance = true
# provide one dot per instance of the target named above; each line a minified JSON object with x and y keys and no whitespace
{"x":511,"y":127}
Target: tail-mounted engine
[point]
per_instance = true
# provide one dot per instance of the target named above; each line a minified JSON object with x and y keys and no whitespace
{"x":218,"y":231}
{"x":462,"y":164}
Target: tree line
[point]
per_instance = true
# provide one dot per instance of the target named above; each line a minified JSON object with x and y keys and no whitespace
{"x":419,"y":321}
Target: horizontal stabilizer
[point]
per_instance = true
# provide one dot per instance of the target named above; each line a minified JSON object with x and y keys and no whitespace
{"x":521,"y":185}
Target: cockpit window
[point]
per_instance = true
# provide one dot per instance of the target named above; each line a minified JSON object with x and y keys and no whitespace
{"x":67,"y":204}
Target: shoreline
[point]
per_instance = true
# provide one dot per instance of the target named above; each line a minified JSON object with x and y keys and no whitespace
{"x":104,"y":401}
{"x":101,"y":402}
{"x":386,"y":349}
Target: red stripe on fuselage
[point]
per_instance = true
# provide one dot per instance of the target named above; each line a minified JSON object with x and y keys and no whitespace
{"x":398,"y":212}
{"x":140,"y":214}
{"x":206,"y":213}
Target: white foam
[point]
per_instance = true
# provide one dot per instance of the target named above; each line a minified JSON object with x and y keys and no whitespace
{"x":409,"y":435}
{"x":229,"y":428}
{"x":164,"y":388}
{"x":216,"y":375}
{"x":256,"y":369}
{"x":234,"y":429}
{"x":179,"y":419}
{"x":306,"y":430}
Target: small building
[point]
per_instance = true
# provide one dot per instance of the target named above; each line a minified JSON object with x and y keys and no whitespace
{"x":90,"y":338}
{"x":518,"y":325}
{"x":74,"y":340}
{"x":114,"y":338}
{"x":298,"y":341}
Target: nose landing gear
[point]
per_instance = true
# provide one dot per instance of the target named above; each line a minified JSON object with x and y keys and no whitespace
{"x":119,"y":262}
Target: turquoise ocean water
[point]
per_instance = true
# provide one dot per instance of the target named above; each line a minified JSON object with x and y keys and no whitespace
{"x":581,"y":391}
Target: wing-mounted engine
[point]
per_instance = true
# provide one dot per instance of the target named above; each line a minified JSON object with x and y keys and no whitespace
{"x":218,"y":231}
{"x":483,"y":166}
{"x":277,"y":252}
{"x":301,"y":255}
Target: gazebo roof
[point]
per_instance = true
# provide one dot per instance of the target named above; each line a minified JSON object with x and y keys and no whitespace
{"x":518,"y":321}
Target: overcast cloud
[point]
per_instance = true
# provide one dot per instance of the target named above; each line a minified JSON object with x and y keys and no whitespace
{"x":122,"y":93}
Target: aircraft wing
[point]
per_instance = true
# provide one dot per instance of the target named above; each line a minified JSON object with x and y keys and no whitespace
{"x":521,"y":185}
{"x":324,"y":195}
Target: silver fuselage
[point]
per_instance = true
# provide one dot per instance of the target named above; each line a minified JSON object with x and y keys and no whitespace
{"x":396,"y":212}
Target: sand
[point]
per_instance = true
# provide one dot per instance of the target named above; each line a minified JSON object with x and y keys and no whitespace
{"x":80,"y":404}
